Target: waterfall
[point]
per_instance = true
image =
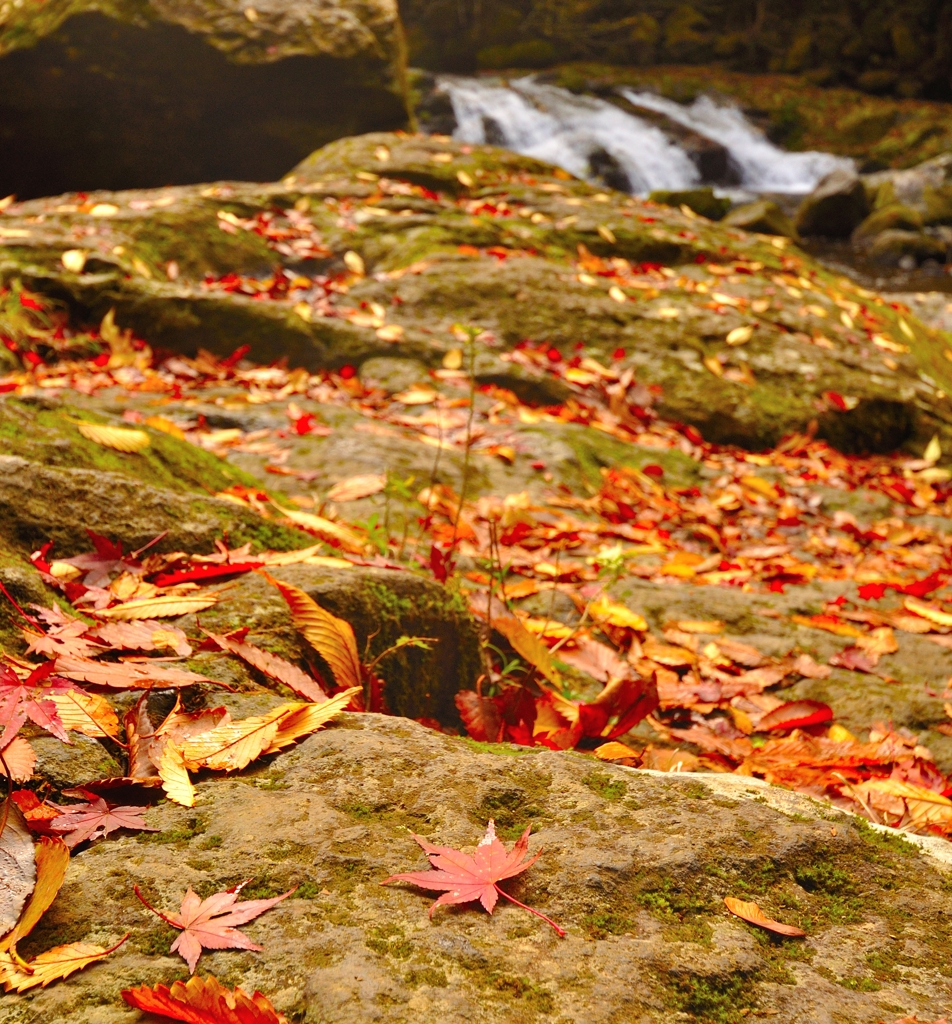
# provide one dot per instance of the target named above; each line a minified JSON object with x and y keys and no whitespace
{"x":584,"y":133}
{"x":763,"y":166}
{"x":561,"y":128}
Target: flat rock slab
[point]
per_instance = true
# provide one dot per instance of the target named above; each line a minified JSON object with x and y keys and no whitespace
{"x":635,"y":868}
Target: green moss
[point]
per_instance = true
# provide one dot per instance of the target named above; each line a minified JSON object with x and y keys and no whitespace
{"x":418,"y":976}
{"x":211,"y":843}
{"x":603,"y":923}
{"x":389,"y":940}
{"x":714,"y":1000}
{"x":605,"y":786}
{"x":515,"y":808}
{"x":177,"y":836}
{"x":499,"y":749}
{"x":156,"y":941}
{"x":834,"y":889}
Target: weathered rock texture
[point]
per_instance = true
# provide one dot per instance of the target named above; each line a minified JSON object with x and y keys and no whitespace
{"x":635,"y":868}
{"x":431,"y":263}
{"x":126,"y":95}
{"x":879,"y":46}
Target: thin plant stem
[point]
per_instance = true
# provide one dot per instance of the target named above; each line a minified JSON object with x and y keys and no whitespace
{"x":548,"y":920}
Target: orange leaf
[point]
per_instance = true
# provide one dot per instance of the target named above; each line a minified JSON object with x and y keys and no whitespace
{"x":51,"y":966}
{"x":752,"y":914}
{"x":52,"y":858}
{"x":200,"y":1000}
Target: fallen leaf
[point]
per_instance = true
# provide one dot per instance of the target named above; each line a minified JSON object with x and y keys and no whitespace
{"x":125,"y":675}
{"x":331,"y":637}
{"x":212,"y":923}
{"x":51,"y":858}
{"x":52,"y":965}
{"x":203,"y":1001}
{"x":20,"y":759}
{"x":795,"y":715}
{"x":528,"y":646}
{"x":272,"y":666}
{"x":333,"y":533}
{"x":18,"y":875}
{"x":356,"y":487}
{"x":96,"y":819}
{"x":87,"y":713}
{"x":752,"y":914}
{"x":158,"y":607}
{"x":303,"y":719}
{"x":120,"y":439}
{"x":928,"y":611}
{"x":466,"y":878}
{"x":612,"y":613}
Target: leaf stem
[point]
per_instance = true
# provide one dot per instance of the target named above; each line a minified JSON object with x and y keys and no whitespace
{"x":548,"y":920}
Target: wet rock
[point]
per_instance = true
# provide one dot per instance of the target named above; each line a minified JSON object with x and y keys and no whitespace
{"x":432,"y":105}
{"x":635,"y":867}
{"x":764,"y":217}
{"x":895,"y":216}
{"x":907,"y":249}
{"x":701,"y":200}
{"x":81,"y":761}
{"x":835,"y":207}
{"x":392,"y":374}
{"x":134,"y":96}
{"x":606,"y":169}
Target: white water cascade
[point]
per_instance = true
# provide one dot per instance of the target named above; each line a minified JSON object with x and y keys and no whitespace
{"x":557,"y":126}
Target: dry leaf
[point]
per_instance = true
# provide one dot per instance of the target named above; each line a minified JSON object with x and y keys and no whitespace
{"x":175,"y":781}
{"x":333,"y":533}
{"x":120,"y":439}
{"x":95,"y":819}
{"x":232,"y":745}
{"x":52,"y":965}
{"x":356,"y":487}
{"x":203,"y":1001}
{"x":138,"y":675}
{"x":18,"y":875}
{"x":51,"y":859}
{"x":611,"y":613}
{"x":159,"y":607}
{"x":274,"y":667}
{"x":308,"y":718}
{"x":751,"y":913}
{"x":88,"y":713}
{"x":332,"y":638}
{"x":528,"y":646}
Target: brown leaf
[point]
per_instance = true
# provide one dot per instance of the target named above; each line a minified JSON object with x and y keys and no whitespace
{"x":752,"y":914}
{"x":332,"y":638}
{"x":88,"y":713}
{"x":272,"y":666}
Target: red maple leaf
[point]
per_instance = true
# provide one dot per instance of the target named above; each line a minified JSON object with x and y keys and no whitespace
{"x":95,"y":819}
{"x":211,"y":923}
{"x":21,"y":699}
{"x":203,"y":1000}
{"x":466,"y":878}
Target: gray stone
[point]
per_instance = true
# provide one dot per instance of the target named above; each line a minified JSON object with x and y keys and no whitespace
{"x":764,"y":217}
{"x":835,"y":207}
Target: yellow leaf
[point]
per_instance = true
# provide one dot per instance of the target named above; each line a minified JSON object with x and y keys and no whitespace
{"x":304,"y":311}
{"x":232,"y":745}
{"x":382,"y":153}
{"x":453,"y":359}
{"x":416,"y":396}
{"x":606,"y":232}
{"x":617,"y":294}
{"x":840,"y":734}
{"x":759,"y":485}
{"x":331,"y":637}
{"x":615,"y":751}
{"x":165,"y":426}
{"x":928,"y":611}
{"x":740,"y":335}
{"x":669,"y":313}
{"x":925,"y":806}
{"x":88,"y":713}
{"x":308,"y":718}
{"x":347,"y":538}
{"x":464,"y":179}
{"x":104,"y":210}
{"x":52,"y":858}
{"x":528,"y":646}
{"x":158,"y":607}
{"x":614,"y":614}
{"x":390,"y":332}
{"x":355,"y":263}
{"x":175,"y":781}
{"x":121,"y":439}
{"x":906,"y":329}
{"x":714,"y":365}
{"x":74,"y":260}
{"x":933,"y":450}
{"x":52,"y":965}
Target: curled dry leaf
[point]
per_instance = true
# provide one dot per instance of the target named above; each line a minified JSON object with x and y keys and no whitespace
{"x":528,"y":646}
{"x":202,"y":1000}
{"x":332,"y":638}
{"x":139,"y":675}
{"x":19,"y":865}
{"x":334,"y":533}
{"x":356,"y":487}
{"x":51,"y":858}
{"x":272,"y":666}
{"x":52,"y":965}
{"x":752,"y":914}
{"x":464,"y":878}
{"x":20,"y":759}
{"x":120,"y":439}
{"x":212,"y":923}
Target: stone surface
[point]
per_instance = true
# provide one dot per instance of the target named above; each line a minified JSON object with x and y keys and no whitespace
{"x":835,"y":208}
{"x":635,"y":866}
{"x":127,"y":95}
{"x":700,"y":200}
{"x":764,"y":217}
{"x":431,"y":264}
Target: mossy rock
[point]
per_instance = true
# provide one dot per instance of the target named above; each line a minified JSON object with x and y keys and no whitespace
{"x":702,"y":201}
{"x":764,"y":217}
{"x":895,"y":216}
{"x":892,"y":247}
{"x":835,"y":207}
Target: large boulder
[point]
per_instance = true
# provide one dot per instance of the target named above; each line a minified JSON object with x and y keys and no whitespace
{"x":635,"y":866}
{"x":764,"y":217}
{"x":836,"y":206}
{"x":130,"y":95}
{"x":701,"y":200}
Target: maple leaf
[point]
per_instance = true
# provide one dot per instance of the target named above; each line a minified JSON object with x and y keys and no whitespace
{"x":21,"y":699}
{"x":468,"y":878}
{"x":272,"y":666}
{"x":212,"y":923}
{"x":202,"y":1000}
{"x":52,"y":965}
{"x":97,"y":818}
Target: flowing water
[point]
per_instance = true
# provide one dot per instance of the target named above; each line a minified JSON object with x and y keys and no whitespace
{"x":571,"y":131}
